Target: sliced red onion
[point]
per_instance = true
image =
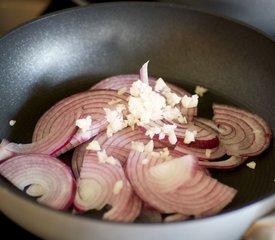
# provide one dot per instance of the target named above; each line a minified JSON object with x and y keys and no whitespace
{"x":198,"y":195}
{"x":143,"y":73}
{"x":207,"y":154}
{"x":231,"y":162}
{"x":103,"y":184}
{"x":125,"y":137}
{"x":206,"y":137}
{"x":189,"y":113}
{"x":5,"y":152}
{"x":50,"y":144}
{"x":56,"y":131}
{"x":242,"y":132}
{"x":46,"y":178}
{"x":168,"y":176}
{"x":118,"y":146}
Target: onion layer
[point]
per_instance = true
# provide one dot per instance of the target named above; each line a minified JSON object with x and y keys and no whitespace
{"x":199,"y":195}
{"x":241,"y":132}
{"x":45,"y":177}
{"x":102,"y":184}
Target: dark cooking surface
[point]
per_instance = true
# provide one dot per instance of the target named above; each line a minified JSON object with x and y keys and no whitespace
{"x":17,"y":231}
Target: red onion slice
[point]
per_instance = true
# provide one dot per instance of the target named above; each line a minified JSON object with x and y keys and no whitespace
{"x":197,"y":195}
{"x":50,"y":144}
{"x":46,"y":178}
{"x":231,"y":162}
{"x":143,"y":73}
{"x":168,"y":176}
{"x":103,"y":184}
{"x":118,"y":146}
{"x":207,"y":154}
{"x":206,"y":137}
{"x":242,"y":132}
{"x":125,"y":137}
{"x":56,"y":132}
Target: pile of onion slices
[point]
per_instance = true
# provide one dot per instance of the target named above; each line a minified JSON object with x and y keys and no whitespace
{"x":140,"y":152}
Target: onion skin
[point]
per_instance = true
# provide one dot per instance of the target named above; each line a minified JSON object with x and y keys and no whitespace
{"x":54,"y":176}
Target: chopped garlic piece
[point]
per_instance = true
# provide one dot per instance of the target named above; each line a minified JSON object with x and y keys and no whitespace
{"x":139,"y":88}
{"x":208,"y":152}
{"x":114,"y":101}
{"x":35,"y":190}
{"x":93,"y":145}
{"x":251,"y":165}
{"x":102,"y":156}
{"x":84,"y":123}
{"x":152,"y":131}
{"x":160,"y":85}
{"x":145,"y":104}
{"x":137,"y":146}
{"x":145,"y":161}
{"x":165,"y":154}
{"x":118,"y":187}
{"x":172,"y":99}
{"x":121,"y":91}
{"x":12,"y":122}
{"x":189,"y":136}
{"x":149,"y":147}
{"x":131,"y":120}
{"x":190,"y":102}
{"x":111,"y":160}
{"x":200,"y":90}
{"x":169,"y":129}
{"x":115,"y":119}
{"x":155,"y":154}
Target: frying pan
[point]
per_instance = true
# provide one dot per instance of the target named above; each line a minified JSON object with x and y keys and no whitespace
{"x":66,"y":52}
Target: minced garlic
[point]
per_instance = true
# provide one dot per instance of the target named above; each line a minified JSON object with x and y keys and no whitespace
{"x":12,"y":122}
{"x":200,"y":90}
{"x":84,"y":123}
{"x":251,"y":165}
{"x":118,"y":187}
{"x":93,"y":145}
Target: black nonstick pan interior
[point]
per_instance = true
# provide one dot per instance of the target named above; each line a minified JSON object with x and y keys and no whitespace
{"x":63,"y":53}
